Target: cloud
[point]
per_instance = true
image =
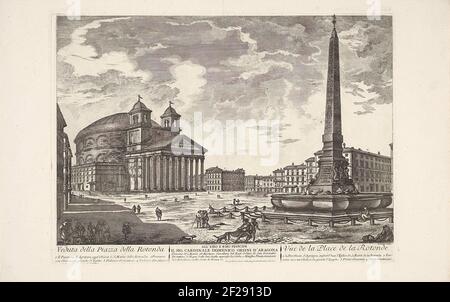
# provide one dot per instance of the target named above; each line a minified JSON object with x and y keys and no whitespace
{"x":371,"y":43}
{"x":86,"y":61}
{"x":188,"y":79}
{"x":227,"y":68}
{"x":289,"y":141}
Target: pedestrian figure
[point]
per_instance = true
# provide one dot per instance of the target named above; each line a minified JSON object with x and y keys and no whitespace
{"x":234,"y":201}
{"x":244,"y":230}
{"x":65,"y":232}
{"x":254,"y":226}
{"x":126,"y":230}
{"x":158,"y":213}
{"x":205,"y":220}
{"x":91,"y":232}
{"x":134,"y":209}
{"x":198,"y":219}
{"x":365,"y":215}
{"x":79,"y":231}
{"x":125,"y":200}
{"x":138,"y":209}
{"x":106,"y":233}
{"x":99,"y":231}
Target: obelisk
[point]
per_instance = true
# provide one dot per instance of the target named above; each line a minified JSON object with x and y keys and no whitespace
{"x":332,"y":177}
{"x":331,"y":192}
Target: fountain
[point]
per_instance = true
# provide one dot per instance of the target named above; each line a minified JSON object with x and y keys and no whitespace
{"x":332,"y":191}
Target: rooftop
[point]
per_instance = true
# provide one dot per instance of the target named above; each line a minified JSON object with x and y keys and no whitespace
{"x":170,"y":111}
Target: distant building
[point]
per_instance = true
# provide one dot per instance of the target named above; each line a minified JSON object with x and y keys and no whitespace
{"x":311,"y":168}
{"x":213,"y":179}
{"x":265,"y":184}
{"x":279,"y":180}
{"x":217,"y":179}
{"x":129,"y":151}
{"x":371,"y":172}
{"x":63,"y":164}
{"x":295,"y":178}
{"x":250,"y":183}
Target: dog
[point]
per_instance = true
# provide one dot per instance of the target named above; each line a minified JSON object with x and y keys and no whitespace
{"x":227,"y":236}
{"x":186,"y":239}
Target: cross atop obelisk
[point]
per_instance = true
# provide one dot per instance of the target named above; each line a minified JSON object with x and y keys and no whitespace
{"x":333,"y":173}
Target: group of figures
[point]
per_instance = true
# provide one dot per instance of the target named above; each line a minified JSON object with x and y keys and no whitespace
{"x":136,"y":209}
{"x":247,"y":230}
{"x":202,"y":219}
{"x":77,"y":233}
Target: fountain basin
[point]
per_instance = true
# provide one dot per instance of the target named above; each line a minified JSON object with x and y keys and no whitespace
{"x":331,"y":202}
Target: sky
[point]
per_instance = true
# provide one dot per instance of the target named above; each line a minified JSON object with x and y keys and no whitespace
{"x":251,"y":90}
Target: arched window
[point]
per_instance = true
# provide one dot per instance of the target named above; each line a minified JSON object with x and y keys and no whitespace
{"x":102,"y":141}
{"x":89,"y":159}
{"x":89,"y":143}
{"x":100,"y":158}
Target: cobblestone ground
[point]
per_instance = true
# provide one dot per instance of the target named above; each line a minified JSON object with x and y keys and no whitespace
{"x":181,"y":212}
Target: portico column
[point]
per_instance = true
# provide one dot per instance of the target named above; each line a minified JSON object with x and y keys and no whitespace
{"x":170,"y":174}
{"x":191,"y":174}
{"x":150,"y":173}
{"x":173,"y":176}
{"x":153,"y":169}
{"x":163,"y":173}
{"x":158,"y":172}
{"x":144,"y":173}
{"x":175,"y":173}
{"x":196,"y":187}
{"x":138,"y":176}
{"x":179,"y":173}
{"x":186,"y":173}
{"x":202,"y":174}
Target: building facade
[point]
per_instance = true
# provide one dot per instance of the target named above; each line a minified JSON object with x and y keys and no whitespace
{"x":233,"y":180}
{"x":311,"y":168}
{"x":213,"y":179}
{"x":265,"y":184}
{"x":63,"y":165}
{"x":249,"y":183}
{"x":295,"y":178}
{"x":131,"y":152}
{"x":218,"y":179}
{"x":279,"y":180}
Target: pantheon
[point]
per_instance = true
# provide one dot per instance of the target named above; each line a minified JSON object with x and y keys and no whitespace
{"x":129,"y":151}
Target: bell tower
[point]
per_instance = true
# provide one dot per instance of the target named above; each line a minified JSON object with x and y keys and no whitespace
{"x":139,"y":123}
{"x":170,"y":119}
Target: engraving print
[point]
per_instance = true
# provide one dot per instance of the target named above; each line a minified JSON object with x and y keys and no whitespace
{"x":230,"y":129}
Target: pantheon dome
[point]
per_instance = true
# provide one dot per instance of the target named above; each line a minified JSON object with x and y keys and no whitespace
{"x":104,"y":140}
{"x":129,"y":151}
